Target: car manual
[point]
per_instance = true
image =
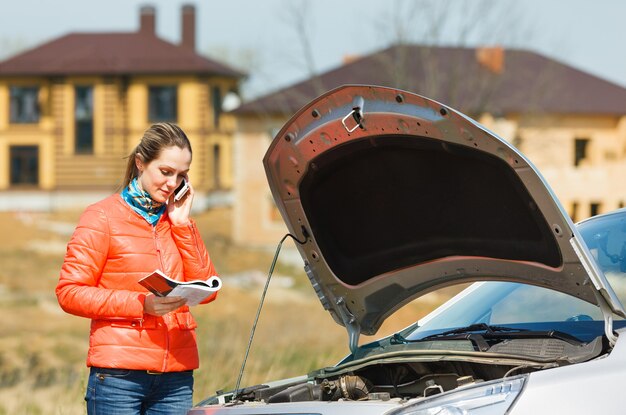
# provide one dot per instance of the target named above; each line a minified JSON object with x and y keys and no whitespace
{"x":194,"y":291}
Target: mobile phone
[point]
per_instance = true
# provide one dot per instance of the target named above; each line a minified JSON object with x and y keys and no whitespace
{"x":181,"y":190}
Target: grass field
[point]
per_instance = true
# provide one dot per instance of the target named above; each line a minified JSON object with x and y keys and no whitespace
{"x":42,"y":349}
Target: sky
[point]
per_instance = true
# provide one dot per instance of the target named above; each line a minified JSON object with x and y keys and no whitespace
{"x":280,"y":42}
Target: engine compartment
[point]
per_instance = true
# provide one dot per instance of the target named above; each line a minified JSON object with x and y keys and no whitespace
{"x":390,"y":376}
{"x":387,"y":381}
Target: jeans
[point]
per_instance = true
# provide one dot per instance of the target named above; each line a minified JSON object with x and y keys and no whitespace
{"x":121,"y":391}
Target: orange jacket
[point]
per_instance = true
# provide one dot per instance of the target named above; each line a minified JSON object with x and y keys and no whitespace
{"x":110,"y":250}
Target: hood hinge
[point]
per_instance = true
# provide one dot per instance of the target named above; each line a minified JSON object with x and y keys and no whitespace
{"x":608,"y":320}
{"x":350,"y":322}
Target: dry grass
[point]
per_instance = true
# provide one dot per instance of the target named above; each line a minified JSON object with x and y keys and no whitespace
{"x":42,"y":349}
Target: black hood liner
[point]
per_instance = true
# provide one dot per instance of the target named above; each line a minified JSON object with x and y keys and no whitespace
{"x":384,"y":203}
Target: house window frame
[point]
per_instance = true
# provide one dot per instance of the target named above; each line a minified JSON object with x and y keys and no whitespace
{"x":595,"y":208}
{"x":574,"y":212}
{"x":581,"y":150}
{"x":216,"y":103}
{"x":216,"y":151}
{"x":17,"y":107}
{"x":35,"y":156}
{"x":84,"y":144}
{"x":159,"y":111}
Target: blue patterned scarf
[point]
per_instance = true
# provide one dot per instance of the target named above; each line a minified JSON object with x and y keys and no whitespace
{"x":142,"y":203}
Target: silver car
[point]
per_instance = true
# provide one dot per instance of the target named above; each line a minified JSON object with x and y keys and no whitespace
{"x":393,"y":196}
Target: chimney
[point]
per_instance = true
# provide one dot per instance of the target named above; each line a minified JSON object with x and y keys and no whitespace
{"x":147,"y":19}
{"x":346,"y":59}
{"x":491,"y":58}
{"x":188,"y":27}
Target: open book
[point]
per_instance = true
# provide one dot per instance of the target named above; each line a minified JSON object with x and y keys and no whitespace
{"x":194,"y":291}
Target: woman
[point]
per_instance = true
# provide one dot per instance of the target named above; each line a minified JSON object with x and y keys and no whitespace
{"x":142,"y":348}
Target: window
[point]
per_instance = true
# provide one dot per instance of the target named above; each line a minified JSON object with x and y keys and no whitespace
{"x":216,"y":166}
{"x":24,"y":162}
{"x":24,"y":104}
{"x":580,"y":150}
{"x":162,"y":103}
{"x":574,"y":214}
{"x":83,"y":120}
{"x":594,"y":209}
{"x":216,"y":95}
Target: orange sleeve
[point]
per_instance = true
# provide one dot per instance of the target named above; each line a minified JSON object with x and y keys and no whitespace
{"x":78,"y":290}
{"x":196,"y":260}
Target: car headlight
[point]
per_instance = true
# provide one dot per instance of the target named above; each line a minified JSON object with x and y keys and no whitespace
{"x":487,"y":398}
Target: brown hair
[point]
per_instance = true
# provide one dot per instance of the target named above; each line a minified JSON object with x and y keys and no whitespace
{"x":156,"y":138}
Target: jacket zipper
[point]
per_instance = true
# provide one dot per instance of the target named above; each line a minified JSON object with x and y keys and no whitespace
{"x":157,"y":245}
{"x":165,"y":318}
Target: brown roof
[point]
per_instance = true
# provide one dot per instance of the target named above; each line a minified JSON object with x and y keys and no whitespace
{"x":111,"y":54}
{"x":499,"y":81}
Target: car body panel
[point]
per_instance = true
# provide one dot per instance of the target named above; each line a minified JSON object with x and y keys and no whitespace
{"x":397,"y":195}
{"x":584,"y":388}
{"x":302,"y":408}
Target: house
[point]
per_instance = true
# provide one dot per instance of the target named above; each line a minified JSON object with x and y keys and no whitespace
{"x":569,"y":123}
{"x":72,"y":110}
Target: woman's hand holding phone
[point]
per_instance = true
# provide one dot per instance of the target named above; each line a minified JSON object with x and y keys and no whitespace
{"x":181,"y":190}
{"x":179,"y":205}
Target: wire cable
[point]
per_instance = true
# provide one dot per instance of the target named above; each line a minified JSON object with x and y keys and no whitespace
{"x":236,"y":392}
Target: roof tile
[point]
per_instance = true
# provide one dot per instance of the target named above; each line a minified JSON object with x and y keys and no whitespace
{"x":526,"y":82}
{"x":111,"y":54}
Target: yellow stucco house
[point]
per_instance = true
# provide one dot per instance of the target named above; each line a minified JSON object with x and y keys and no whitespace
{"x":570,"y":124}
{"x":73,"y":108}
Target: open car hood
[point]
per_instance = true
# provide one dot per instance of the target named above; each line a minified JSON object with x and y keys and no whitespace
{"x":397,"y":195}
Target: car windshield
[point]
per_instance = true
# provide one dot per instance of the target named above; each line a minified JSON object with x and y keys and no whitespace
{"x":606,"y":238}
{"x":521,"y":306}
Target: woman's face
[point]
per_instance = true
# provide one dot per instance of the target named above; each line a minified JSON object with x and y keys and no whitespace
{"x":161,"y":176}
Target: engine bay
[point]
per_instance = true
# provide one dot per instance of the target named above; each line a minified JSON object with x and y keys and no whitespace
{"x":391,"y":376}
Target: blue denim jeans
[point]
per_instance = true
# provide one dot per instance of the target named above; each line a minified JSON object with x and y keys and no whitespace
{"x":121,"y":391}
